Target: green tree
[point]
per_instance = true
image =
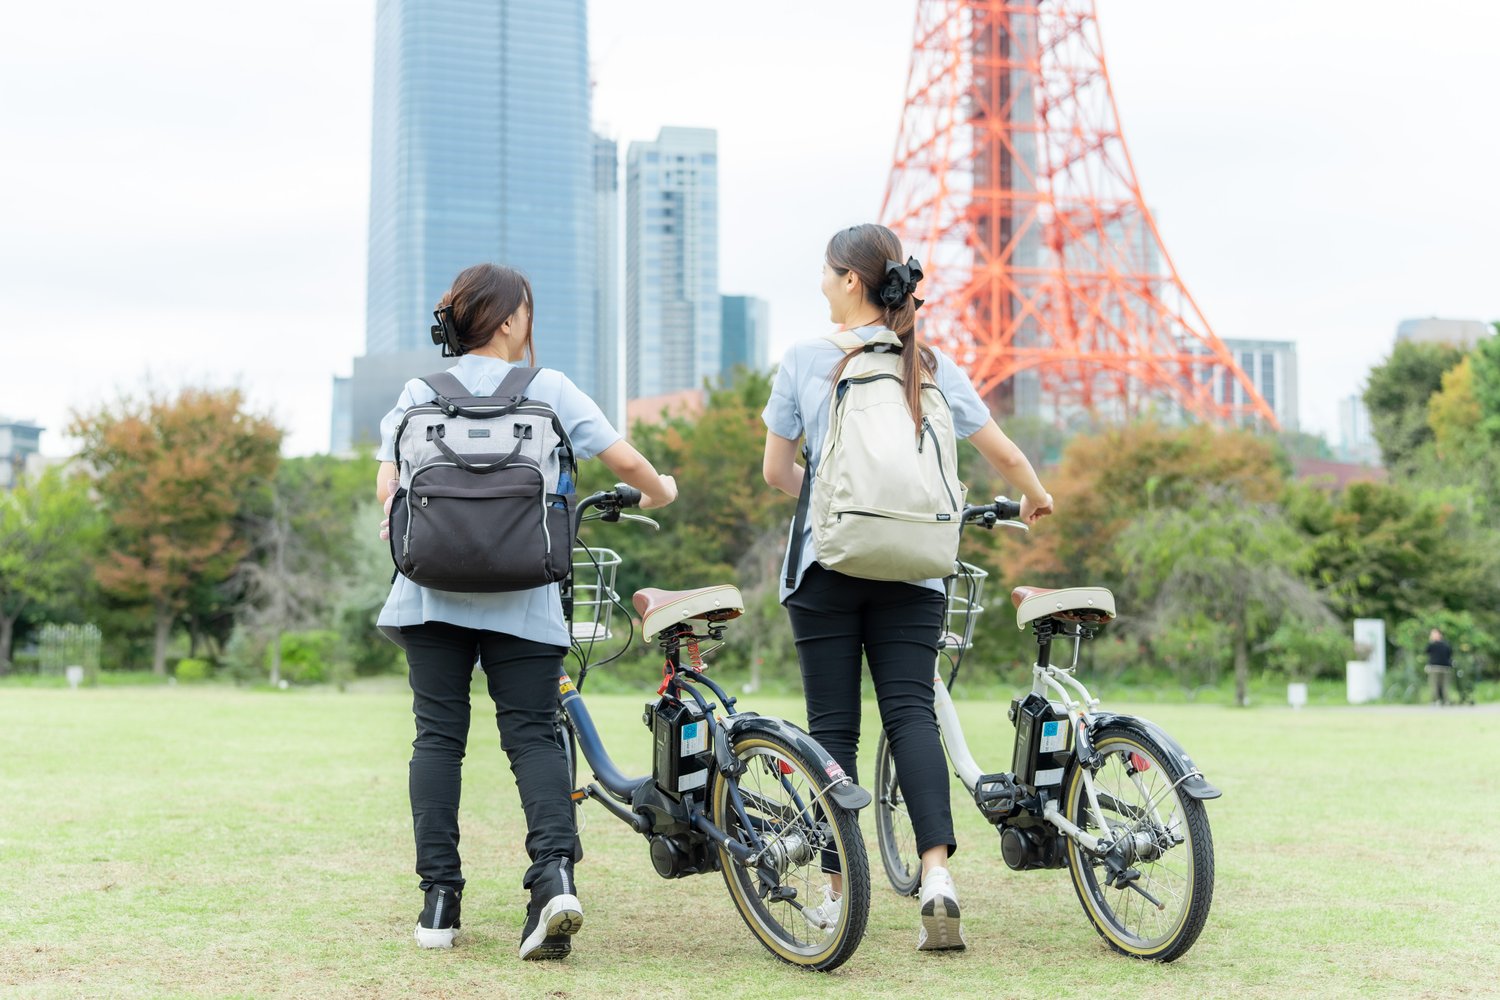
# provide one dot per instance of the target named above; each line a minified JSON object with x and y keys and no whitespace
{"x":1486,"y":384}
{"x":49,"y":535}
{"x":176,"y":476}
{"x":723,"y":505}
{"x":1223,"y":558}
{"x":1397,"y":394}
{"x":1108,"y":480}
{"x":1454,"y":414}
{"x":312,"y":566}
{"x":1395,"y":552}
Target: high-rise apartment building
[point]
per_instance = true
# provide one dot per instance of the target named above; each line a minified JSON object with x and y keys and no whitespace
{"x":672,"y":310}
{"x":1272,"y":368}
{"x":746,"y":333}
{"x":1356,"y":437}
{"x":481,"y":151}
{"x":609,"y":344}
{"x":20,"y":442}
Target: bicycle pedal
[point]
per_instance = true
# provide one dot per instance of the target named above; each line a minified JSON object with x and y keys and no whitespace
{"x":996,"y":795}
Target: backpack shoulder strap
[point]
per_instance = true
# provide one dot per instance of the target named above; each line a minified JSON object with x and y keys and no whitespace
{"x":446,"y":385}
{"x":515,"y":383}
{"x":845,"y":340}
{"x":799,"y":521}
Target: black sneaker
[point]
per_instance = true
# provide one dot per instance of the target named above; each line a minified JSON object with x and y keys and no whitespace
{"x":553,"y":916}
{"x":439,"y":917}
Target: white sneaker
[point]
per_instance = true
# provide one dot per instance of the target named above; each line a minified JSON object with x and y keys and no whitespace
{"x":824,"y":916}
{"x":940,"y":931}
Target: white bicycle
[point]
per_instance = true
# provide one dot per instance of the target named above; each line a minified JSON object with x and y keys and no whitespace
{"x":1111,"y":797}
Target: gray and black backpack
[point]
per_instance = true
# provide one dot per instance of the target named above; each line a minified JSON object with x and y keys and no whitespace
{"x":486,"y":496}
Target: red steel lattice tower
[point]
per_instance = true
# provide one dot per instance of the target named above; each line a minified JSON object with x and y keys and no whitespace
{"x":1046,"y":277}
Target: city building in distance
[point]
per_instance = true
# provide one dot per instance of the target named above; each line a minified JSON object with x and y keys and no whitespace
{"x":746,"y":333}
{"x":1272,"y":368}
{"x":20,"y":447}
{"x":481,"y":151}
{"x":609,"y":343}
{"x":1461,"y":333}
{"x":672,"y":309}
{"x":1356,"y":438}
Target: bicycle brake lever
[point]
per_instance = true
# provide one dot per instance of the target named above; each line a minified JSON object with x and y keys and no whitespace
{"x":642,"y":518}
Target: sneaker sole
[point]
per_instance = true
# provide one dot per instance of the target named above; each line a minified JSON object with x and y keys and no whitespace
{"x":441,"y":937}
{"x":940,"y":930}
{"x":553,"y":936}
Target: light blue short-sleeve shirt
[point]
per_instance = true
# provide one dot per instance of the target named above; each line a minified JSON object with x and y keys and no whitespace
{"x":534,"y":614}
{"x":798,"y":407}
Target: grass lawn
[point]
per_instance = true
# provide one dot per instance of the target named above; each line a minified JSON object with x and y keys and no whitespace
{"x":207,"y":841}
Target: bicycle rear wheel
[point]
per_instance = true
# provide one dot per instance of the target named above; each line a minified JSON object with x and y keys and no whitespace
{"x":1162,"y":845}
{"x":893,"y":827}
{"x":812,"y":851}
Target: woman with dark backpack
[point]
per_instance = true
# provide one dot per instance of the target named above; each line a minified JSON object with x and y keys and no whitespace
{"x":519,"y":637}
{"x":837,"y":616}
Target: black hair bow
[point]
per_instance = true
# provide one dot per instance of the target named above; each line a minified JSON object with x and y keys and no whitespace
{"x":901,"y":281}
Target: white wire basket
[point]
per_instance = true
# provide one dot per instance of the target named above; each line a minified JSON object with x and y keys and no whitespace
{"x":594,"y":593}
{"x":965,"y":592}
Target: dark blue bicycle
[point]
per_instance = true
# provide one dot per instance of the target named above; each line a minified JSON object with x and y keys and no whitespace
{"x":752,"y":797}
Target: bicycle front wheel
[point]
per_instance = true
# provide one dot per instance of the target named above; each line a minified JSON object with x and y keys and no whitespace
{"x":808,"y":897}
{"x":893,"y":827}
{"x":1162,"y":846}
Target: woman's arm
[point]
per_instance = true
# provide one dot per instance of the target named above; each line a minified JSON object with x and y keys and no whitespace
{"x":631,"y":467}
{"x":385,"y":481}
{"x":1008,"y":460}
{"x":780,"y":465}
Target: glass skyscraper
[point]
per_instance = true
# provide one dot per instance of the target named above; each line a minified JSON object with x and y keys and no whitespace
{"x":481,"y":151}
{"x":746,"y":333}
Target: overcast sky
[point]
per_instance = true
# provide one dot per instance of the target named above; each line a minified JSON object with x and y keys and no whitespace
{"x":183,"y":186}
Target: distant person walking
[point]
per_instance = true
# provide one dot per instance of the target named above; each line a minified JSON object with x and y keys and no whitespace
{"x":1440,"y":666}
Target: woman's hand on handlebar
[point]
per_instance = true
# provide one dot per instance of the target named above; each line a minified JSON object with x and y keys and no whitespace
{"x":1033,"y":511}
{"x":650,"y":501}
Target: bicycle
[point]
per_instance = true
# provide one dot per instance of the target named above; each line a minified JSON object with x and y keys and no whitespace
{"x":1111,"y":797}
{"x":752,"y":797}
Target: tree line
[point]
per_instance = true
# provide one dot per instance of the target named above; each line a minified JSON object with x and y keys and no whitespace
{"x":179,"y":522}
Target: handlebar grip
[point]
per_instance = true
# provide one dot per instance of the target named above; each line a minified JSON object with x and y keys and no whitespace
{"x":629,"y":495}
{"x":1007,"y":509}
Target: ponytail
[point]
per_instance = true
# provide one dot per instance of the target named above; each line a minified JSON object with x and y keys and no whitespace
{"x":872,"y":251}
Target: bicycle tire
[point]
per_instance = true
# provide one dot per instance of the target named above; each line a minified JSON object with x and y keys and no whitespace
{"x":808,"y":836}
{"x":894,"y":833}
{"x":1174,"y":826}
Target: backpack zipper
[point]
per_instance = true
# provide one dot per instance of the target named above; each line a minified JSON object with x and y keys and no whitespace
{"x":406,"y":538}
{"x":937,"y":449}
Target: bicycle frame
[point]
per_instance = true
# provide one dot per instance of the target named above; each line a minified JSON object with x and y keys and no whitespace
{"x":639,"y":802}
{"x":1081,"y":707}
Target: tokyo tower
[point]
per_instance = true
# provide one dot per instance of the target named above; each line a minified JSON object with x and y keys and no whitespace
{"x":1046,"y":277}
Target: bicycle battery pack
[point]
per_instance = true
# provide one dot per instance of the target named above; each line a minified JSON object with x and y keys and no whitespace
{"x":1044,"y":741}
{"x":681,"y":751}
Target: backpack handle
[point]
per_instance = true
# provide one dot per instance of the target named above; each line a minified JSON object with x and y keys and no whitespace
{"x":464,"y":463}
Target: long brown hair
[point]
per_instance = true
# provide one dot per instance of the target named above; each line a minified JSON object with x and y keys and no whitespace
{"x":865,"y":249}
{"x":483,"y":297}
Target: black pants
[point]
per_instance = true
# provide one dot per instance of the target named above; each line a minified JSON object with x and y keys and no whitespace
{"x":523,"y":683}
{"x":896,"y":625}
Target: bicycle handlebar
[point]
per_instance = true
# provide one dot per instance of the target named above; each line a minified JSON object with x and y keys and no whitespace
{"x":986,"y":515}
{"x":610,"y":502}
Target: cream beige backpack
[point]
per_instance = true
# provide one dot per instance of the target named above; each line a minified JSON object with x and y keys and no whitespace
{"x":884,"y":501}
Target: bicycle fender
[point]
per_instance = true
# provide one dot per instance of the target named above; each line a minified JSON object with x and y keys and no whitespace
{"x":838,"y":786}
{"x":1196,"y":786}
